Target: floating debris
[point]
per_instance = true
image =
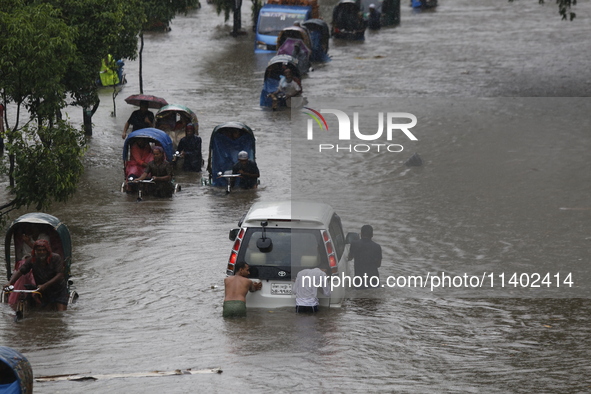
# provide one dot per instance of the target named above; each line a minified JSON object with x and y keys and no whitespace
{"x":80,"y":377}
{"x":414,"y":161}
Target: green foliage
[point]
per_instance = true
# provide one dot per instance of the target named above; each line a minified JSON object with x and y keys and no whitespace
{"x":48,"y":164}
{"x":225,"y":6}
{"x":102,"y":27}
{"x":36,"y":49}
{"x":255,"y":8}
{"x":162,"y":11}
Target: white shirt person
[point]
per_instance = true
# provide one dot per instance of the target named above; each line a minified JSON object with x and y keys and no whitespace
{"x":306,"y":287}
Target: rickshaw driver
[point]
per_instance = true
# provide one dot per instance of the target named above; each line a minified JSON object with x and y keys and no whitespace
{"x":161,"y":171}
{"x":288,"y":87}
{"x":190,"y":148}
{"x":248,"y":170}
{"x":48,"y":271}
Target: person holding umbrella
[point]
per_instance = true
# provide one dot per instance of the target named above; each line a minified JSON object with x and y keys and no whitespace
{"x":139,"y":119}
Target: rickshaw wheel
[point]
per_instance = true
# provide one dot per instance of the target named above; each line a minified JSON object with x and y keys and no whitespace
{"x":73,"y":297}
{"x":21,"y":307}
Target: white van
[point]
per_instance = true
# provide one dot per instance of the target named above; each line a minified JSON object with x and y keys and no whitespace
{"x":279,"y":239}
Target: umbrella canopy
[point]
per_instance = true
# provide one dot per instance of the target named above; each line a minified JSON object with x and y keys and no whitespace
{"x":153,"y":101}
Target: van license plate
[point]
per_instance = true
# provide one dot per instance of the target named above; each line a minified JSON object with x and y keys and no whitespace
{"x":280,"y":288}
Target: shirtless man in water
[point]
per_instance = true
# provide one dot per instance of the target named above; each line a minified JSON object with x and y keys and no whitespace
{"x":236,"y":288}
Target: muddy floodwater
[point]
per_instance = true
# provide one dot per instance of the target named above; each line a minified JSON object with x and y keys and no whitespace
{"x":501,"y":94}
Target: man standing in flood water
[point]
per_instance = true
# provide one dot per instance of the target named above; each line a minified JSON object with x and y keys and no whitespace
{"x":367,"y":254}
{"x":236,"y":288}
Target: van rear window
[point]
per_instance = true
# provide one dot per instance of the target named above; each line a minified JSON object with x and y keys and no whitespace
{"x":292,"y":249}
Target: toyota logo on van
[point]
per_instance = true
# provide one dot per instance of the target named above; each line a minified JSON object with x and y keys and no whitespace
{"x":282,"y":273}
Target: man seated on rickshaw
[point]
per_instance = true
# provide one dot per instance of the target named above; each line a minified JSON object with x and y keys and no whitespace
{"x":48,"y":272}
{"x":288,"y":87}
{"x":160,"y":171}
{"x":190,"y":148}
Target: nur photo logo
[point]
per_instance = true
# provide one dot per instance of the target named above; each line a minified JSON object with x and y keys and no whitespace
{"x":391,"y":125}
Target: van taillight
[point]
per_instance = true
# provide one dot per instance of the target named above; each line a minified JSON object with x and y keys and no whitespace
{"x":332,"y":258}
{"x":234,"y":254}
{"x":333,"y":263}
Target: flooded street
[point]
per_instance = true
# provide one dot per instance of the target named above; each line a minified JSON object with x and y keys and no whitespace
{"x":501,"y":94}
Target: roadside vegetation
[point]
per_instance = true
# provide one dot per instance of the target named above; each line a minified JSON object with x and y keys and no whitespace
{"x":50,"y":54}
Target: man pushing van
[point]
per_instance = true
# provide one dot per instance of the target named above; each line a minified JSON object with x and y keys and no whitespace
{"x":236,"y":288}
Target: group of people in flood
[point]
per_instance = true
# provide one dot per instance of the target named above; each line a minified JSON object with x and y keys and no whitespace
{"x":150,"y":162}
{"x":365,"y":253}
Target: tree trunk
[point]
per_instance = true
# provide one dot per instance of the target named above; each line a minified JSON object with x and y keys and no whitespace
{"x":87,"y":115}
{"x":141,"y":51}
{"x":87,"y":121}
{"x":237,"y":18}
{"x":1,"y":129}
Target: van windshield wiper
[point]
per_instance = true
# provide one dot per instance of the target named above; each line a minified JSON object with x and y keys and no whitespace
{"x":264,"y":244}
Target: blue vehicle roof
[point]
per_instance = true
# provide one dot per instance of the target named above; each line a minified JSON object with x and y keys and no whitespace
{"x":298,"y":9}
{"x":154,"y":134}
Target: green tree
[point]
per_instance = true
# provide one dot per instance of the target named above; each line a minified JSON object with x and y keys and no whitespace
{"x":37,"y":46}
{"x":48,"y":164}
{"x":102,"y":27}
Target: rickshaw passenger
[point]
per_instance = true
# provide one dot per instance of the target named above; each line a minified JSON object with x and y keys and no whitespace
{"x":161,"y":172}
{"x":190,"y":148}
{"x":48,"y":271}
{"x":140,"y":155}
{"x":166,"y":122}
{"x":181,"y":124}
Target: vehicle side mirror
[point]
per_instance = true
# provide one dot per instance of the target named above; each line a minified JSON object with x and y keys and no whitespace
{"x":233,"y":234}
{"x":351,"y":237}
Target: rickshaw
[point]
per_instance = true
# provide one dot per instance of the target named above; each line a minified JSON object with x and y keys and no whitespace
{"x":227,"y":140}
{"x":35,"y":226}
{"x":347,"y":21}
{"x":173,"y":118}
{"x":319,"y":37}
{"x":273,"y":75}
{"x":297,"y":32}
{"x":145,"y":139}
{"x":16,"y":373}
{"x":111,"y":73}
{"x":297,"y":49}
